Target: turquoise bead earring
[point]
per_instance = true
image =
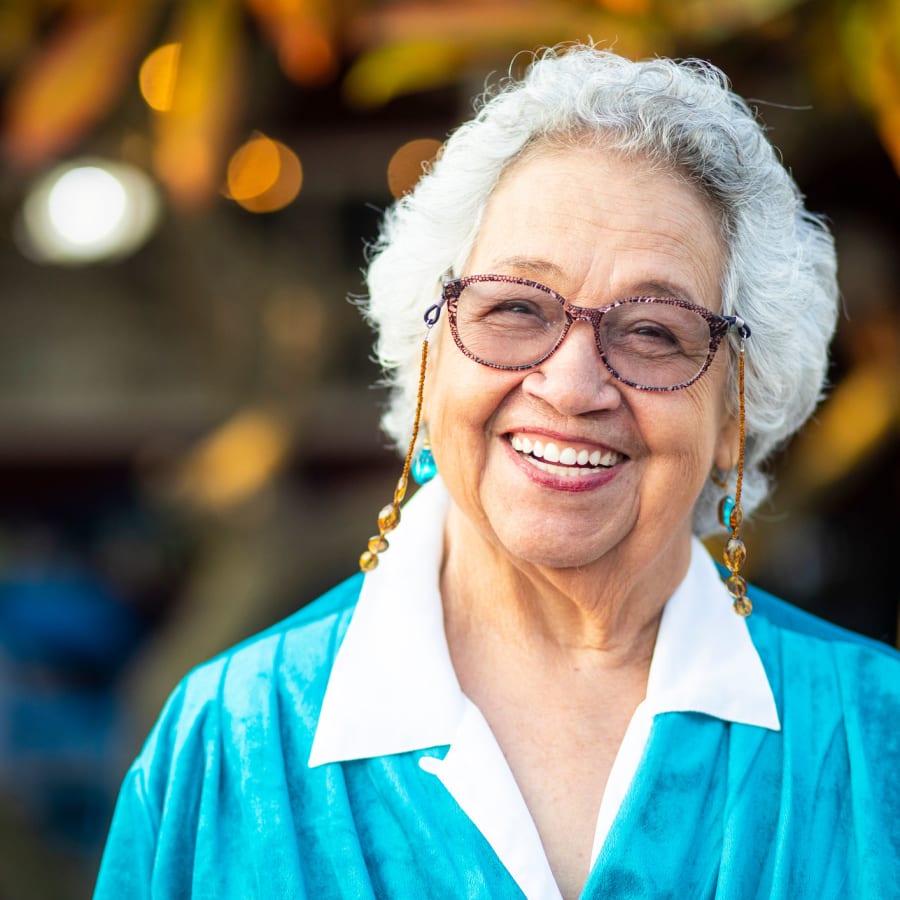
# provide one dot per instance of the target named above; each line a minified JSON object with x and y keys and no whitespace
{"x":424,"y":468}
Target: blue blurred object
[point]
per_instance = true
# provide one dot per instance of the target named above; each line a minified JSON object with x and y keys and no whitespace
{"x":65,"y":620}
{"x":64,"y":637}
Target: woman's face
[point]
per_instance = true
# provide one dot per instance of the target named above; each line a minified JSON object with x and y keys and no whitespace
{"x":596,"y":228}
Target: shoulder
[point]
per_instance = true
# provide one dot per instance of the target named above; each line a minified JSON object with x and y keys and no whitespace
{"x":239,"y":694}
{"x":838,"y":700}
{"x":787,"y":619}
{"x":234,"y":736}
{"x":297,"y":647}
{"x":809,"y":660}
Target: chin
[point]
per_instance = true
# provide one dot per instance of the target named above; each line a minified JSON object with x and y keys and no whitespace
{"x":555,"y":548}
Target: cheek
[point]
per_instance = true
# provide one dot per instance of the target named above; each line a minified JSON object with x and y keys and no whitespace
{"x":438,"y":396}
{"x":462,"y":399}
{"x":683,"y":432}
{"x":452,"y":405}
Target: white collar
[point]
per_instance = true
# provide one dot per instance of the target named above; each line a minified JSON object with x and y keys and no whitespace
{"x":393,"y":688}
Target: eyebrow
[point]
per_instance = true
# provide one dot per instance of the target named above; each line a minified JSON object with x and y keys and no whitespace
{"x":542,"y":267}
{"x":664,"y":289}
{"x":529,"y":264}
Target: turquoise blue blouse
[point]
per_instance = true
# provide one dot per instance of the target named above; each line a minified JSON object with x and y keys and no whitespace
{"x":222,"y":804}
{"x":225,"y":801}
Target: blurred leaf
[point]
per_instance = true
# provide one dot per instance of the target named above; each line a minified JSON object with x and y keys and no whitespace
{"x":235,"y":461}
{"x":828,"y":70}
{"x":870,"y":38}
{"x":386,"y":72}
{"x":720,"y":19}
{"x":509,"y":24}
{"x":74,"y":80}
{"x":303,"y":33}
{"x":856,"y":419}
{"x":415,"y":46}
{"x":18,"y":25}
{"x":857,"y":39}
{"x":193,"y":136}
{"x":469,"y":21}
{"x":625,"y":7}
{"x":886,"y":78}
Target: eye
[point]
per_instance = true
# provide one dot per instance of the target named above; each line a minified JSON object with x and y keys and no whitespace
{"x":646,"y":339}
{"x":653,"y":331}
{"x":656,"y":329}
{"x":509,"y":306}
{"x":517,"y":307}
{"x":515,"y":315}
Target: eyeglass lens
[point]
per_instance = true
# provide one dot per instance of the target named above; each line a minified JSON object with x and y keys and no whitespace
{"x":651,"y":343}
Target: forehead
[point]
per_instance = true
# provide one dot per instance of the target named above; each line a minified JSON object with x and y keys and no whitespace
{"x":596,"y":221}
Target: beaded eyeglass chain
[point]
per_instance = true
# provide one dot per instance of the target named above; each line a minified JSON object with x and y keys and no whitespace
{"x":731,"y":515}
{"x":389,"y":516}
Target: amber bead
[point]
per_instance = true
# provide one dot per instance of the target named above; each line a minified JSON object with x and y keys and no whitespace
{"x":735,"y":554}
{"x":377,"y":544}
{"x":743,"y":607}
{"x":400,"y":490}
{"x":737,"y":587}
{"x":389,"y":518}
{"x":368,"y":561}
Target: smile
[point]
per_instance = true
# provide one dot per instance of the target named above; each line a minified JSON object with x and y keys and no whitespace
{"x":565,"y":460}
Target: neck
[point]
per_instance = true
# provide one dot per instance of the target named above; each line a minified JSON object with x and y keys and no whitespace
{"x":607,"y":613}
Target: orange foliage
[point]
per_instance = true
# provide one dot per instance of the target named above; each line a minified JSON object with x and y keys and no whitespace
{"x":193,"y":134}
{"x":80,"y":66}
{"x":72,"y":81}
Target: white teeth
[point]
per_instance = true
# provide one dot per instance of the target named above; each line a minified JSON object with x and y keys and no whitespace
{"x":559,"y":471}
{"x":567,"y":456}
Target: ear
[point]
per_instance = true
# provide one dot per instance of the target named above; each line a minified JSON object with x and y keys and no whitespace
{"x":725,"y":454}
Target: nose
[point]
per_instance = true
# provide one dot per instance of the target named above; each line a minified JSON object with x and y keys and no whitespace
{"x":574,"y":380}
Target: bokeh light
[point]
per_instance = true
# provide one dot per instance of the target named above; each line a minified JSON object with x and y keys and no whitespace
{"x":263,"y":175}
{"x":408,"y":162}
{"x":253,"y":168}
{"x":87,"y":211}
{"x":307,"y":56}
{"x":158,"y":75}
{"x":625,"y":7}
{"x":86,"y":205}
{"x":236,"y":461}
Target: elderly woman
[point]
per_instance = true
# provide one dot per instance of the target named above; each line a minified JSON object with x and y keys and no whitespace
{"x":542,"y":687}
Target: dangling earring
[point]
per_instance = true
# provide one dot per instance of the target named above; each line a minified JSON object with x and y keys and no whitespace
{"x":730,"y":513}
{"x":389,"y":516}
{"x":424,"y":468}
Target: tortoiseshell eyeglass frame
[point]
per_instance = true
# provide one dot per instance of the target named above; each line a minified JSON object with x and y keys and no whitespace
{"x":719,"y":325}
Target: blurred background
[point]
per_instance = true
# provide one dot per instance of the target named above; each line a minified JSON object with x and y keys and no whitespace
{"x":189,"y":447}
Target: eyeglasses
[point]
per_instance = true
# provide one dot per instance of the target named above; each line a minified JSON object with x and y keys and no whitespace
{"x":649,"y":343}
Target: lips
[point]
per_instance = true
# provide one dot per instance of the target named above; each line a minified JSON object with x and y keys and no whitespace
{"x":559,"y":456}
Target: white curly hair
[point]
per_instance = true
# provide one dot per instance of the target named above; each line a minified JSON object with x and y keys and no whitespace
{"x":781,"y":266}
